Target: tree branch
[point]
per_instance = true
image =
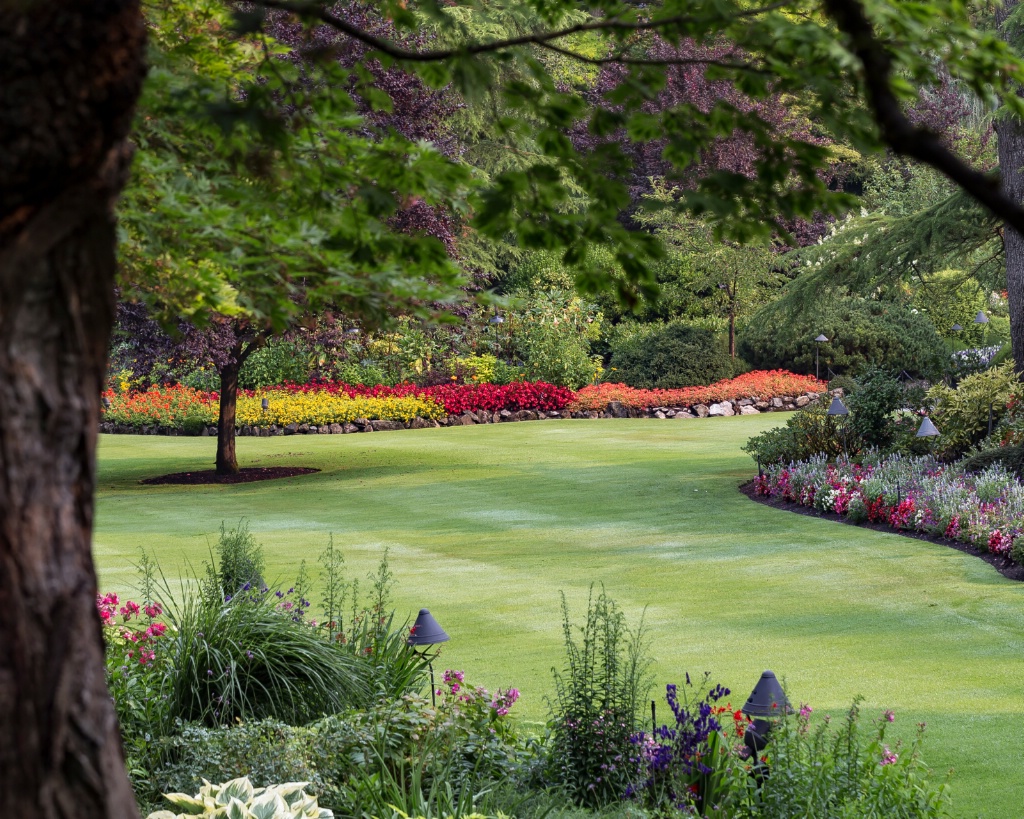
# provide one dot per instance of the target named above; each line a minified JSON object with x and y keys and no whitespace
{"x":898,"y":131}
{"x":619,"y":59}
{"x":316,"y":11}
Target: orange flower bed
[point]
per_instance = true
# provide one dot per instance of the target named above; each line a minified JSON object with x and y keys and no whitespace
{"x":760,"y":384}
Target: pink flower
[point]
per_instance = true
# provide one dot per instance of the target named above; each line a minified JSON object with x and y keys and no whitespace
{"x":888,"y":757}
{"x":890,"y":715}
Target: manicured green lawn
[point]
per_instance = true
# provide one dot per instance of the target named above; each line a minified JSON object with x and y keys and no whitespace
{"x":486,"y":525}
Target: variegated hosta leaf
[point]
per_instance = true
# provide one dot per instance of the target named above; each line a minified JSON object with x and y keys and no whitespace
{"x":269,"y":805}
{"x":189,"y":805}
{"x":236,"y":809}
{"x":291,"y":791}
{"x":240,"y":789}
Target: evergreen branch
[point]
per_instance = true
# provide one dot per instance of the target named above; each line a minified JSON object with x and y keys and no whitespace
{"x":619,"y":59}
{"x":316,"y":11}
{"x":895,"y":127}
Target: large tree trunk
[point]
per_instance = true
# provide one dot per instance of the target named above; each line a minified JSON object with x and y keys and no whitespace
{"x":70,"y":73}
{"x":1010,"y":133}
{"x":227,"y":463}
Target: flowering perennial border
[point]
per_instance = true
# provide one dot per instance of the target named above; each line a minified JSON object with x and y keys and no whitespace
{"x":985,"y":510}
{"x":760,"y":384}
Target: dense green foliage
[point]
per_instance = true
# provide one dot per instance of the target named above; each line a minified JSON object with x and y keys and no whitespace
{"x":963,"y":414}
{"x":668,"y":356}
{"x":861,"y":333}
{"x":807,"y":432}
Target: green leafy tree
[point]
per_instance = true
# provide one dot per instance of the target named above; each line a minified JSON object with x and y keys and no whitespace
{"x":268,"y":248}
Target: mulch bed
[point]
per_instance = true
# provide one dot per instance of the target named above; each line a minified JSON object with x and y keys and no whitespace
{"x":1006,"y":567}
{"x":246,"y":475}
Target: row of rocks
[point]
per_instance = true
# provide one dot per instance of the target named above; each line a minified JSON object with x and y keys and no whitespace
{"x":615,"y":409}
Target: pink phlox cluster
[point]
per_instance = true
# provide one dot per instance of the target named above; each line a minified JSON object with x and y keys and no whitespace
{"x":504,"y":700}
{"x":888,"y":757}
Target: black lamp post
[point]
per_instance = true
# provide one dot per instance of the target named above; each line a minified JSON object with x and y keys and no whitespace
{"x":927,"y":430}
{"x":956,"y":328}
{"x":426,"y":631}
{"x":817,"y":348}
{"x":767,"y":700}
{"x":837,"y":409}
{"x":496,"y":321}
{"x":265,"y":404}
{"x":982,"y":319}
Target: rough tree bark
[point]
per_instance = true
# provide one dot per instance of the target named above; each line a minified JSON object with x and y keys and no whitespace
{"x":70,"y":73}
{"x":227,"y":462}
{"x":1010,"y":133}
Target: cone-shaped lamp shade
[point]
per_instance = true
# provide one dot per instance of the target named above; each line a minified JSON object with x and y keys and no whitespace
{"x":821,"y":338}
{"x":927,"y":429}
{"x":767,"y":699}
{"x":426,"y":631}
{"x":837,"y":407}
{"x":956,"y":328}
{"x":981,"y":318}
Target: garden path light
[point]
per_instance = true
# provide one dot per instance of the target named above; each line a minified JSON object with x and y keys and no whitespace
{"x":765,"y":701}
{"x":426,"y":631}
{"x":817,"y":347}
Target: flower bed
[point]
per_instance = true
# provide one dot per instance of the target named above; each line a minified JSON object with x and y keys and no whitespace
{"x":760,"y":384}
{"x":458,"y":398}
{"x":985,"y":510}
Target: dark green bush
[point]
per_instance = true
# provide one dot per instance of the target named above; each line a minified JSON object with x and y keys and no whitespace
{"x":807,"y":432}
{"x":193,"y":425}
{"x":862,"y":333}
{"x":267,"y":751}
{"x":846,"y":383}
{"x":1011,"y":457}
{"x":873,"y":406}
{"x":669,"y":356}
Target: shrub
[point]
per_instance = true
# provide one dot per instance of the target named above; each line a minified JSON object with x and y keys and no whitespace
{"x":808,"y":432}
{"x":263,"y":750}
{"x":873,"y":405}
{"x":597,"y":703}
{"x":862,"y":333}
{"x":962,"y":415}
{"x":551,"y":333}
{"x":670,"y":356}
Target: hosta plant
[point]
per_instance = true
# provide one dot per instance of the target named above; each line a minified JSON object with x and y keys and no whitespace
{"x":238,"y":799}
